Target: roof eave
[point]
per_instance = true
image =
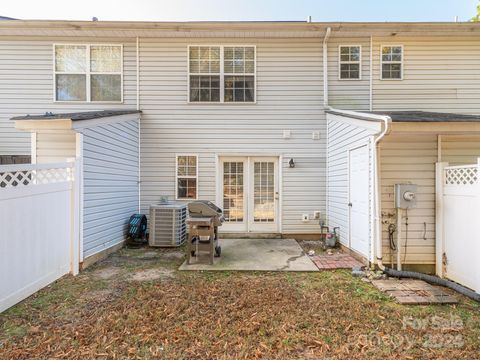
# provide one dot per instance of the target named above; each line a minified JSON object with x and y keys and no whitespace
{"x":248,"y":28}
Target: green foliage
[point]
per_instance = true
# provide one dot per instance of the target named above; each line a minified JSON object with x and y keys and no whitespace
{"x":476,"y":18}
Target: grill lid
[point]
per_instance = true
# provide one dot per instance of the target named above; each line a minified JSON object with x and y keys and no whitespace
{"x":203,"y":208}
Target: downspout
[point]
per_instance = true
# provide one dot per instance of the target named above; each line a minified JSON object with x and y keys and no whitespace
{"x":371,"y":76}
{"x":325,"y":66}
{"x":139,"y":118}
{"x":325,"y":104}
{"x":378,"y":215}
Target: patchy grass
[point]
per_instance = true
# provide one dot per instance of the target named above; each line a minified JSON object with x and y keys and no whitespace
{"x":105,"y":313}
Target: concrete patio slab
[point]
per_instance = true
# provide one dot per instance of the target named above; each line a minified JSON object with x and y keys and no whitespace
{"x":257,"y":255}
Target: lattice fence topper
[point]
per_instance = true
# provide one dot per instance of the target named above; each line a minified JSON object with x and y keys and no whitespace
{"x":35,"y":176}
{"x":461,"y":175}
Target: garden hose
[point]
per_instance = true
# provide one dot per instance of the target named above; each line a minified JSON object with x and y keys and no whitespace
{"x":434,"y":280}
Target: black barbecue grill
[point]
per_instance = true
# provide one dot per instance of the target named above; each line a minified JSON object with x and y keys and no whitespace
{"x":204,"y":219}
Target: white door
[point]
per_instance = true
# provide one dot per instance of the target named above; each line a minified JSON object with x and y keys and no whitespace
{"x":358,"y":199}
{"x":249,"y":193}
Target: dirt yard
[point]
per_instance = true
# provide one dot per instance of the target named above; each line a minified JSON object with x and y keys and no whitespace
{"x":136,"y":305}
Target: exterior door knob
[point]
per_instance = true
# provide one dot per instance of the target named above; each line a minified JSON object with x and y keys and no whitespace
{"x":350,"y":204}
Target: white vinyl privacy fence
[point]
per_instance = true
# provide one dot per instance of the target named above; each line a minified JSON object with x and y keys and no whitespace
{"x":458,"y":224}
{"x":38,"y":228}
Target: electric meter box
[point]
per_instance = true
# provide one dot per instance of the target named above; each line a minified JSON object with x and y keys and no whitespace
{"x":405,"y":196}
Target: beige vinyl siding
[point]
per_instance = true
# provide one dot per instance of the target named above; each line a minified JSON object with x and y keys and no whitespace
{"x":55,"y":147}
{"x":410,"y":159}
{"x":26,"y":84}
{"x":348,"y":94}
{"x":289,"y":97}
{"x":341,"y":138}
{"x":460,"y":149}
{"x":439,"y":74}
{"x":110,"y":184}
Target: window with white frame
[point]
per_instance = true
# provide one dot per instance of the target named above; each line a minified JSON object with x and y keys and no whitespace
{"x":88,"y":73}
{"x":392,"y":62}
{"x":350,"y":62}
{"x":187,"y":176}
{"x":222,"y":74}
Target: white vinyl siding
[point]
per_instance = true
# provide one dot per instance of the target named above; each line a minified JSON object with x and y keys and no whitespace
{"x":289,"y":97}
{"x":341,"y":138}
{"x":348,"y":95}
{"x":110,"y":184}
{"x":26,"y":85}
{"x":440,"y":74}
{"x":410,"y":159}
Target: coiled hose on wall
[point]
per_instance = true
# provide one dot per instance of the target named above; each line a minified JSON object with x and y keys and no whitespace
{"x":434,"y":280}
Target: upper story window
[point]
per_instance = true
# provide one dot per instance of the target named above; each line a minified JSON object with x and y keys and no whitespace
{"x":392,"y":62}
{"x":350,"y":62}
{"x":222,"y":74}
{"x":88,"y":73}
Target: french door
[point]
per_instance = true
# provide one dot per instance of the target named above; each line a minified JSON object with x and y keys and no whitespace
{"x":249,"y":193}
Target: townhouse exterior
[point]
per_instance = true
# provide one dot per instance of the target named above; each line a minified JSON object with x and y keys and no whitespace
{"x":236,"y":113}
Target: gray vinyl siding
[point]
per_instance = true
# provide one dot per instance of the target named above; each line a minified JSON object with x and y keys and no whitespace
{"x":110,"y":184}
{"x":341,"y":138}
{"x":26,"y":84}
{"x":289,"y":97}
{"x":440,"y":74}
{"x":410,"y":159}
{"x":348,"y":94}
{"x":55,"y":147}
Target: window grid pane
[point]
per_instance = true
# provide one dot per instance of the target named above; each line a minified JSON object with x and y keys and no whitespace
{"x":239,"y":88}
{"x":70,"y":58}
{"x":264,"y":192}
{"x":106,"y":87}
{"x":105,"y":59}
{"x":204,"y":59}
{"x":204,"y":88}
{"x":71,"y":87}
{"x":233,"y":191}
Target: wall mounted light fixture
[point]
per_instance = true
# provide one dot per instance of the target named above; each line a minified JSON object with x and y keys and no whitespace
{"x":291,"y":163}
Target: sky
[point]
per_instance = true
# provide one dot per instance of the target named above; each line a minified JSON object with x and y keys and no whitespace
{"x":241,"y":10}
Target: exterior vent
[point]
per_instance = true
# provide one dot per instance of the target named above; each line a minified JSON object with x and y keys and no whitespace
{"x":167,"y":225}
